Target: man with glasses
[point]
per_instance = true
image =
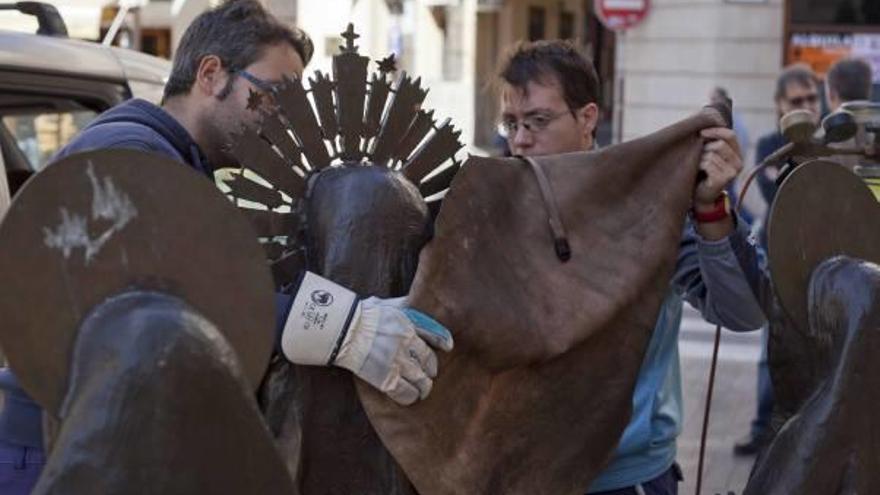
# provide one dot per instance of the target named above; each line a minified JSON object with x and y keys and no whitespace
{"x":797,"y":88}
{"x":227,"y":64}
{"x":549,"y":93}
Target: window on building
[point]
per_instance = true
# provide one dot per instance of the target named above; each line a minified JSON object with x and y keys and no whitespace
{"x":537,"y":21}
{"x":566,"y":25}
{"x":841,"y":12}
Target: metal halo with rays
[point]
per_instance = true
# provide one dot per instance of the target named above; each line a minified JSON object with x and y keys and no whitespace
{"x":359,"y":122}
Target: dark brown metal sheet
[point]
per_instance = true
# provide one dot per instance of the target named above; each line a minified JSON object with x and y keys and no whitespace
{"x":274,"y":250}
{"x":322,"y":93}
{"x":295,"y":106}
{"x":271,"y":223}
{"x":439,"y":182}
{"x":821,"y":210}
{"x":254,"y":153}
{"x":421,"y":125}
{"x":73,"y":226}
{"x":288,"y":267}
{"x":275,"y":131}
{"x":378,"y":96}
{"x":248,"y":190}
{"x":407,"y":99}
{"x":350,"y":72}
{"x":442,"y":144}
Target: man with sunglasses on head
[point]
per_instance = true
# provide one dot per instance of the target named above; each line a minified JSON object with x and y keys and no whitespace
{"x":549,"y":95}
{"x":797,"y":88}
{"x":226,"y":56}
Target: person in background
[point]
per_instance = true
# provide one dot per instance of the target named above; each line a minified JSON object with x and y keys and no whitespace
{"x":849,"y":79}
{"x":797,"y":87}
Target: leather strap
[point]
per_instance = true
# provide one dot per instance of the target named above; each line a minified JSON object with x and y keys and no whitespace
{"x":560,"y":239}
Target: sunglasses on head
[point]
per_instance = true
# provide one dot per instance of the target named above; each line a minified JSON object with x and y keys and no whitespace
{"x":799,"y":101}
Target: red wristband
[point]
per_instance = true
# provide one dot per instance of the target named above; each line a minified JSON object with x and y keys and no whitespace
{"x":720,"y":211}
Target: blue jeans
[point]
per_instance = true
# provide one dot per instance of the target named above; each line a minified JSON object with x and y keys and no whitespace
{"x":665,"y":484}
{"x":761,"y":423}
{"x":19,"y":468}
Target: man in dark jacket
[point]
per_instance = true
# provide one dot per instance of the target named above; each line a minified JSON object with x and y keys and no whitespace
{"x":796,"y":88}
{"x":227,"y":55}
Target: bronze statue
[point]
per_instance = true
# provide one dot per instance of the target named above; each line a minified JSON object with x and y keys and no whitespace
{"x":145,"y":344}
{"x":823,"y":261}
{"x":345,"y":194}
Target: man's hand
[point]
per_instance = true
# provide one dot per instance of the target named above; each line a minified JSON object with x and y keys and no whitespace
{"x":383,"y":342}
{"x":722,"y":162}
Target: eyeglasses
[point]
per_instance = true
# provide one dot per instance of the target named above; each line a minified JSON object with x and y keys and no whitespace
{"x":533,"y":123}
{"x":261,"y":84}
{"x":799,"y":101}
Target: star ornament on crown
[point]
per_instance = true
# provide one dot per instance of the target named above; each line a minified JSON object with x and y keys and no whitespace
{"x":344,"y":121}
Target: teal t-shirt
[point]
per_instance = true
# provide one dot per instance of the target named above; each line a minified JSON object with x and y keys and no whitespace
{"x":647,"y":447}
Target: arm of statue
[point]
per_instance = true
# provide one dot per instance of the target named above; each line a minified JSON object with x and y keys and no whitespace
{"x":381,"y":341}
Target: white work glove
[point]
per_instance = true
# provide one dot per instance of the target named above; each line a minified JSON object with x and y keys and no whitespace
{"x":380,"y":340}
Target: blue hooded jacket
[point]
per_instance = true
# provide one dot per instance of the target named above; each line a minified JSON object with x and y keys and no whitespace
{"x":139,"y":125}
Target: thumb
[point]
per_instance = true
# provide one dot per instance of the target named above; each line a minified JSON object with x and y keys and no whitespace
{"x":430,"y":329}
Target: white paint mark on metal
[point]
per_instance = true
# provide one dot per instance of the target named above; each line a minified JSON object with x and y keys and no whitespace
{"x":108,"y":205}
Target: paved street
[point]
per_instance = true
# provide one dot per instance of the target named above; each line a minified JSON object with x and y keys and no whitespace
{"x":733,"y":404}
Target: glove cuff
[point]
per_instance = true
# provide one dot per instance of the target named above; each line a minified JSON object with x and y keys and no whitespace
{"x":318,"y":321}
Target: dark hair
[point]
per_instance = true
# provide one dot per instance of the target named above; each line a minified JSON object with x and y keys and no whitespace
{"x":720,"y":92}
{"x":850,"y":79}
{"x":535,"y":61}
{"x":795,"y":73}
{"x":236,"y":31}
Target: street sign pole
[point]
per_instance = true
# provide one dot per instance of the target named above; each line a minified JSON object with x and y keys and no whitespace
{"x":619,"y":67}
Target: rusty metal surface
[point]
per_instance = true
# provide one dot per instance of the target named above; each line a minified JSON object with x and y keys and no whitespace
{"x":820,"y":211}
{"x":73,"y":226}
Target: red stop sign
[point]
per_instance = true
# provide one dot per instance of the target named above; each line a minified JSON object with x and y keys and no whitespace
{"x":621,"y":14}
